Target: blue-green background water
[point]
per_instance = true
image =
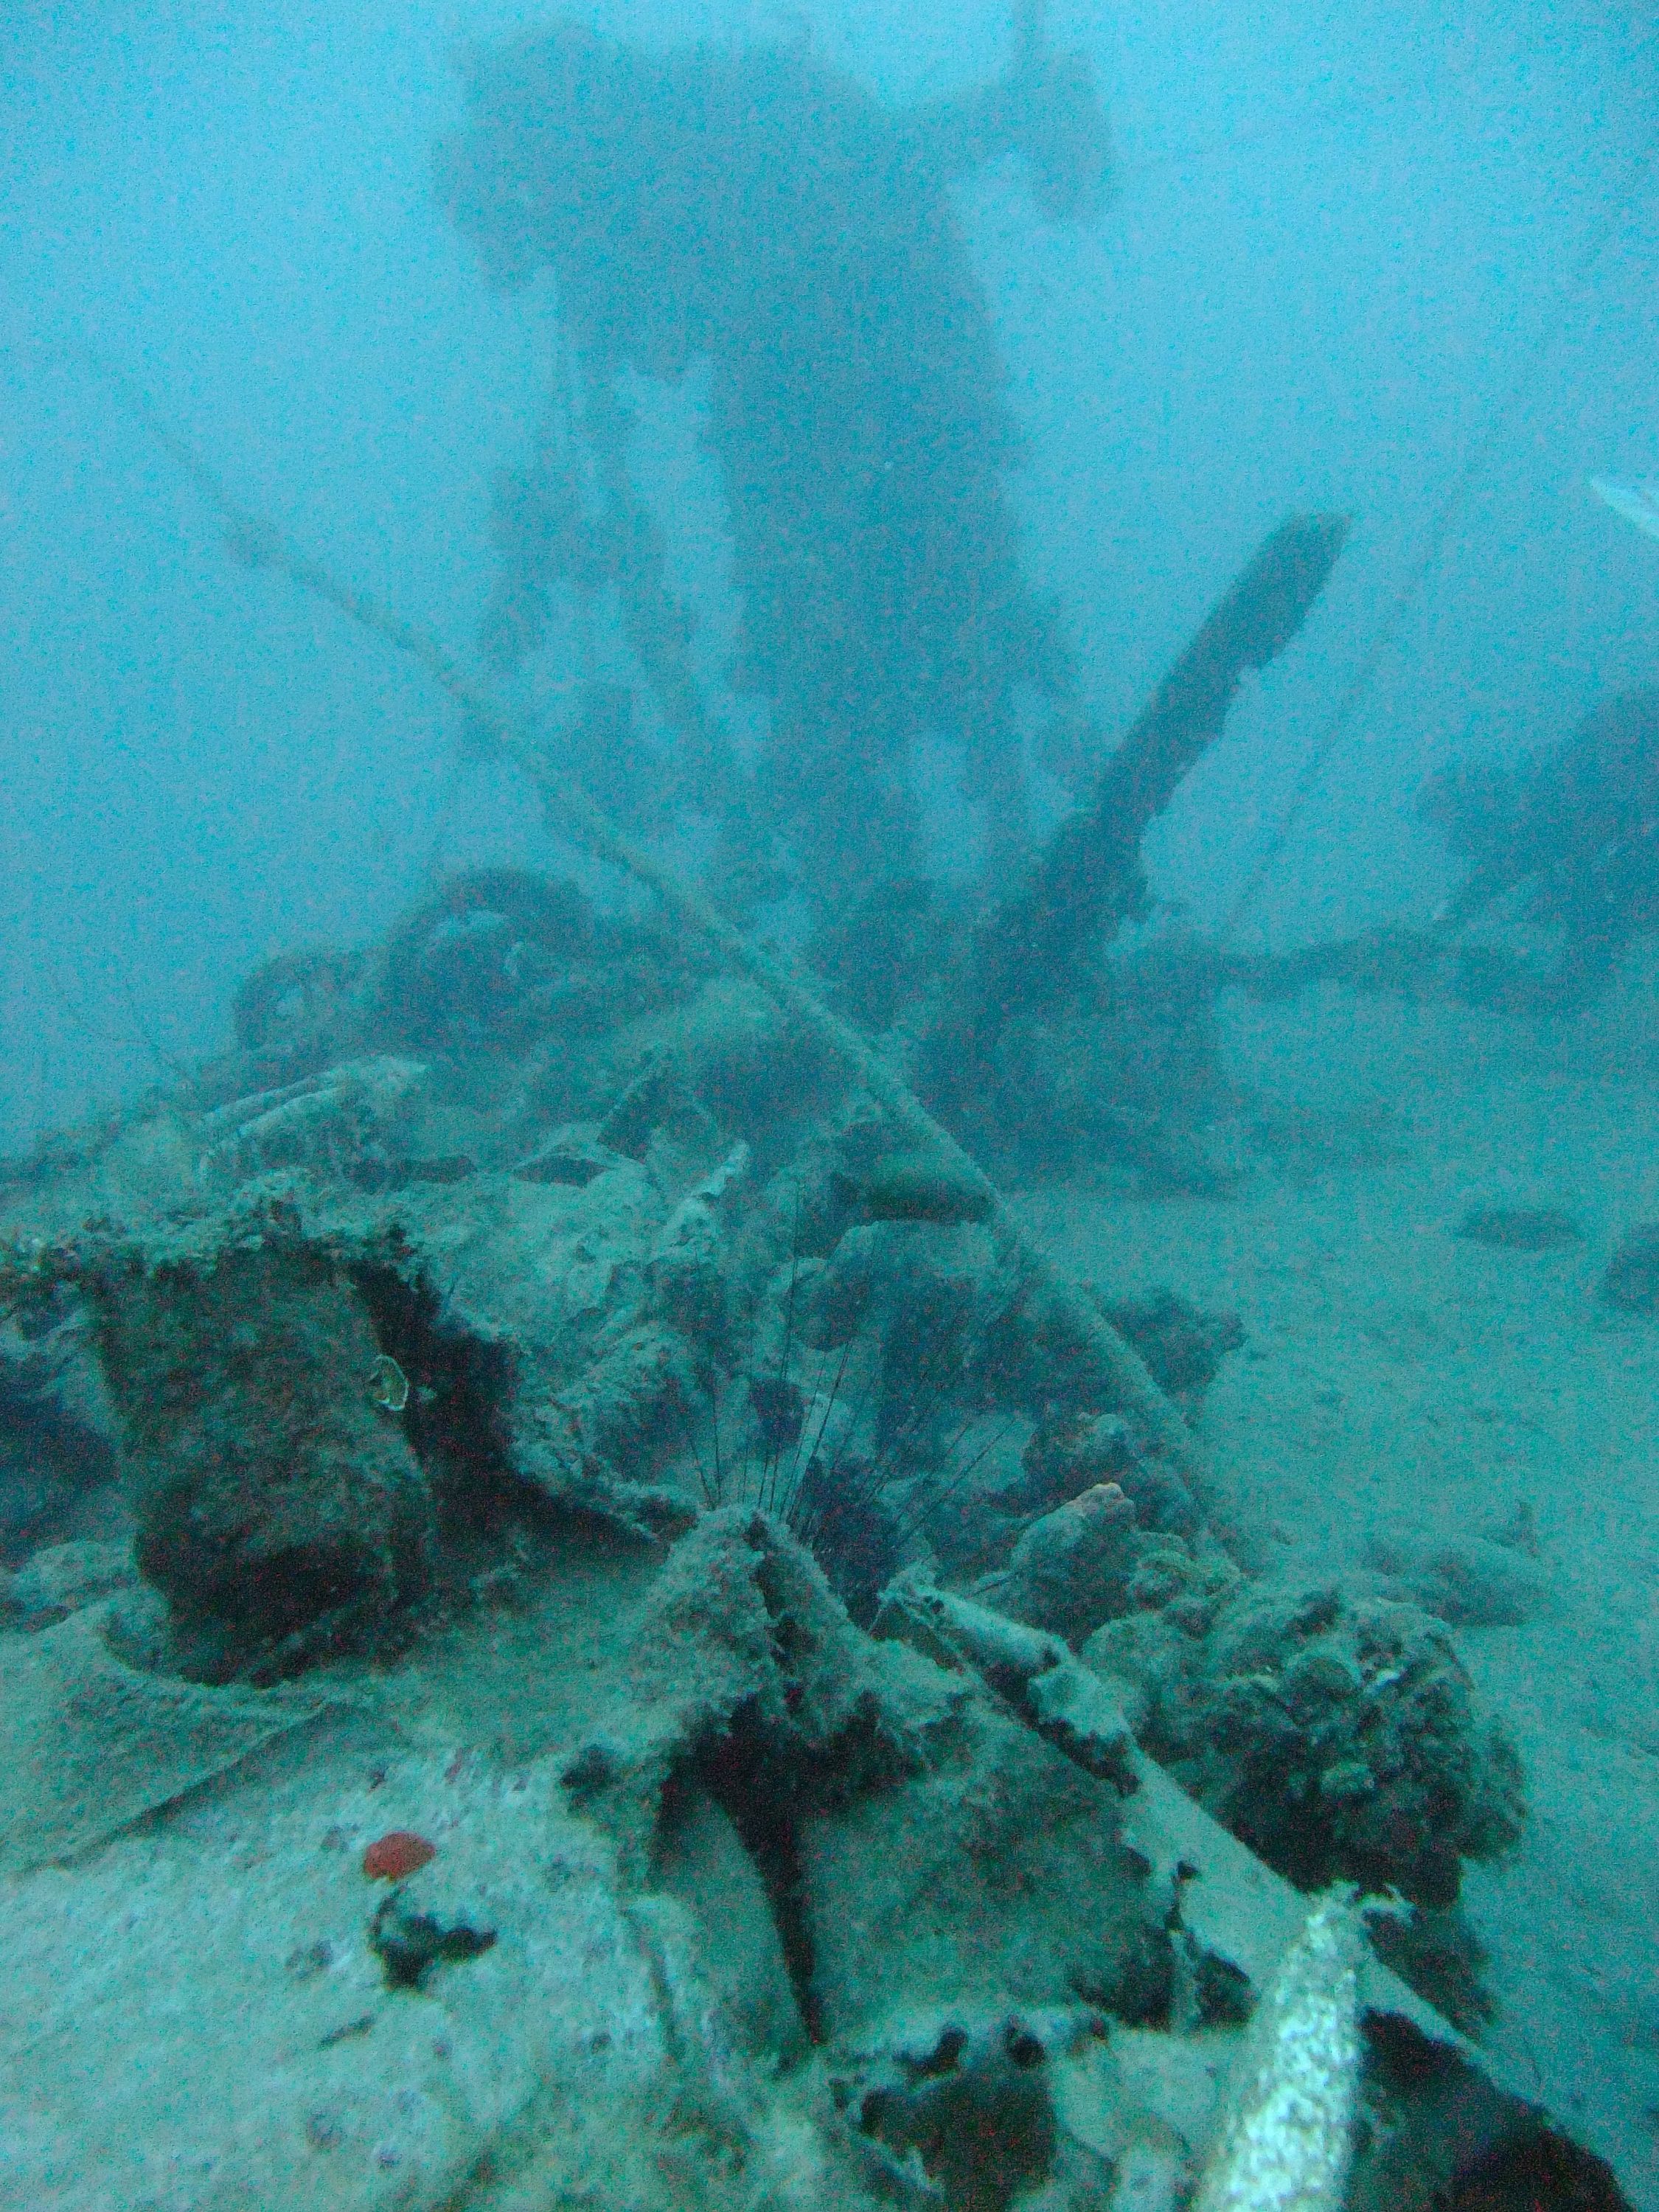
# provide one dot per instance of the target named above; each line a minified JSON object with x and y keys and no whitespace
{"x":1349,"y":244}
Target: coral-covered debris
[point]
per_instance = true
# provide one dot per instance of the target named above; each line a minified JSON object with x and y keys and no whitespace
{"x":1183,"y":1347}
{"x":1339,"y":1736}
{"x":273,"y":1499}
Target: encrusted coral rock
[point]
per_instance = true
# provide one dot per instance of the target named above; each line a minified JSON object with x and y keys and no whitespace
{"x":1070,"y":1569}
{"x":1076,"y":1451}
{"x":271,"y":1494}
{"x":1183,"y":1347}
{"x":1338,"y":1737}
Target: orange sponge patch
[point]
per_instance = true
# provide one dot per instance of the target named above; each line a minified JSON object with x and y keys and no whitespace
{"x":397,"y":1853}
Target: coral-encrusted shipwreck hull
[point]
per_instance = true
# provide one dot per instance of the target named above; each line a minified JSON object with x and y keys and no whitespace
{"x":759,"y":1830}
{"x":729,"y":1902}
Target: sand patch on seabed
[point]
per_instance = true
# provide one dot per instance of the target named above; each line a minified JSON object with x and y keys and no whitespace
{"x":1400,"y":1381}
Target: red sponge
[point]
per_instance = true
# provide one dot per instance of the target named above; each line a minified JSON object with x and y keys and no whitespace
{"x":394,"y":1855}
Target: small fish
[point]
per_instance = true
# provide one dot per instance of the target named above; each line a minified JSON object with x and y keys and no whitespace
{"x":1638,"y":501}
{"x":388,"y":1386}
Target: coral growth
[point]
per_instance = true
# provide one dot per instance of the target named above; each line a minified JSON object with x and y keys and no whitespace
{"x":1338,"y":1736}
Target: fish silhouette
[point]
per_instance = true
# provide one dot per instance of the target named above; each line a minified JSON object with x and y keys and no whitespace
{"x":1637,"y":500}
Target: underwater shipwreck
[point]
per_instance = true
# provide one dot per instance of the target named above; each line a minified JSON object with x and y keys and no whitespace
{"x":589,"y":1618}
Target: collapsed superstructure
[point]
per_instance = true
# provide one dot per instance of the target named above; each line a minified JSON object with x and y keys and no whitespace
{"x":755,"y":215}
